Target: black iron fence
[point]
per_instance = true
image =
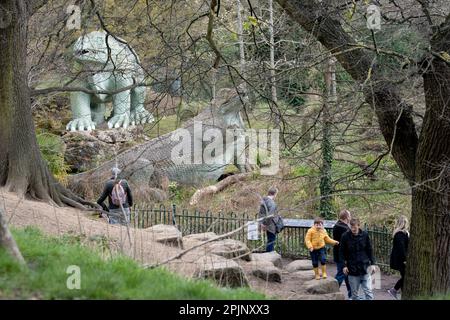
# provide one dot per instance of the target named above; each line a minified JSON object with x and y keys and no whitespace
{"x":290,"y":242}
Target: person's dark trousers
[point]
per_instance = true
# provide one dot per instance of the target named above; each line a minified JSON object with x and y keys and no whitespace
{"x":399,"y":284}
{"x":318,"y":255}
{"x":340,"y":277}
{"x":271,"y":237}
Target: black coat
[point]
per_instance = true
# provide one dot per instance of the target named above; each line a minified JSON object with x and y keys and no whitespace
{"x":338,"y":230}
{"x":356,"y":252}
{"x":107,"y":191}
{"x":399,"y":250}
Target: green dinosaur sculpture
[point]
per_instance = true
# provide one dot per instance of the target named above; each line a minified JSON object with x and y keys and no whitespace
{"x":108,"y":64}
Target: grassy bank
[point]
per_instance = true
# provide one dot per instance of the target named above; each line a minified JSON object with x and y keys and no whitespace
{"x":46,"y":276}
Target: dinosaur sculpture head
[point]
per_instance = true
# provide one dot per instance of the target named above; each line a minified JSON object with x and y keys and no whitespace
{"x":230,"y":103}
{"x":92,"y":48}
{"x":99,"y":48}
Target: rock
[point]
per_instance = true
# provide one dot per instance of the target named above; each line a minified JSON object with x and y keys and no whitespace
{"x":87,"y":150}
{"x":201,"y":236}
{"x":304,"y":275}
{"x":230,"y":248}
{"x":273,"y":257}
{"x":225,"y":272}
{"x":192,"y":240}
{"x":299,"y":265}
{"x":266,"y":270}
{"x":328,"y":296}
{"x":166,"y":234}
{"x":322,"y":286}
{"x":227,"y":248}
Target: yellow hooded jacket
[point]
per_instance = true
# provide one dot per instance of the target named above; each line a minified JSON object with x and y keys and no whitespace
{"x":317,"y":238}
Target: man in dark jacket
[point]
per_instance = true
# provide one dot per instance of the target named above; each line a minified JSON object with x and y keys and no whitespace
{"x":341,"y":227}
{"x":356,"y":253}
{"x":269,"y":207}
{"x":115,"y":213}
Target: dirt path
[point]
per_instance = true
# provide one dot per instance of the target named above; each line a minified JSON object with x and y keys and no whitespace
{"x":58,"y":221}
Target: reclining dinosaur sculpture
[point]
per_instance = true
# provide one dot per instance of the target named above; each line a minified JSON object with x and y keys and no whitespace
{"x":153,"y":163}
{"x":109,"y":64}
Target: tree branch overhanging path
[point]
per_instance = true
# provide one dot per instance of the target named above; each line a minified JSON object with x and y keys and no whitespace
{"x":419,"y":157}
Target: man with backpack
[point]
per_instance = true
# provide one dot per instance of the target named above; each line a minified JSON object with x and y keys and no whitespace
{"x":272,"y":225}
{"x":119,"y":197}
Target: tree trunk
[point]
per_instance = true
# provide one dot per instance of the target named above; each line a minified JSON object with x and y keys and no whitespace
{"x":7,"y":240}
{"x":22,"y":169}
{"x":428,"y":267}
{"x":326,"y":188}
{"x":240,"y":37}
{"x":273,"y":87}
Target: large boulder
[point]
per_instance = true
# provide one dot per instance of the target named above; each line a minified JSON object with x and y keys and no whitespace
{"x":304,"y":275}
{"x":192,"y":240}
{"x":299,"y":265}
{"x":166,"y":234}
{"x":266,"y":270}
{"x":323,"y":286}
{"x":230,"y":248}
{"x":273,"y":257}
{"x":223,"y":271}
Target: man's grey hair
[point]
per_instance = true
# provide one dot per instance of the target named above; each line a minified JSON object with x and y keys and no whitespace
{"x":272,"y":191}
{"x":115,"y":171}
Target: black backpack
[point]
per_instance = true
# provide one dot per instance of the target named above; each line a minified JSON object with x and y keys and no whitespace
{"x":279,"y":223}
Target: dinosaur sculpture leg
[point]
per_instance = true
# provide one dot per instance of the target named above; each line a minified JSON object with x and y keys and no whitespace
{"x":81,"y":110}
{"x":98,"y":112}
{"x":121,"y":110}
{"x":138,"y":113}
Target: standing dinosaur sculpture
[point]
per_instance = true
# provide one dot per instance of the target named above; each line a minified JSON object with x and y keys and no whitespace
{"x":108,"y":64}
{"x":152,"y":164}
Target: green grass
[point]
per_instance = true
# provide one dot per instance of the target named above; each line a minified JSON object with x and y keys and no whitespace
{"x":120,"y":278}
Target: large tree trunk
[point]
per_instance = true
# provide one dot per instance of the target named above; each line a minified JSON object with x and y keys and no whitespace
{"x":424,"y":162}
{"x":22,"y":169}
{"x":428,"y":267}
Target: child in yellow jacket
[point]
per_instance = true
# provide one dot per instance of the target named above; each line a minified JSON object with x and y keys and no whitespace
{"x":315,"y":241}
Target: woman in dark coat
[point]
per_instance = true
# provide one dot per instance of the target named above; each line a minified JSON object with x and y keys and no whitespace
{"x":399,"y":250}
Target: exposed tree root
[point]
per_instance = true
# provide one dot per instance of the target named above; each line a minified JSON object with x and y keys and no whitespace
{"x":223,"y":184}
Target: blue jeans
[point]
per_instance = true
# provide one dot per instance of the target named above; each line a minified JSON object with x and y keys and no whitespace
{"x":364,"y":282}
{"x":318,"y":255}
{"x":271,"y":238}
{"x":340,"y":277}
